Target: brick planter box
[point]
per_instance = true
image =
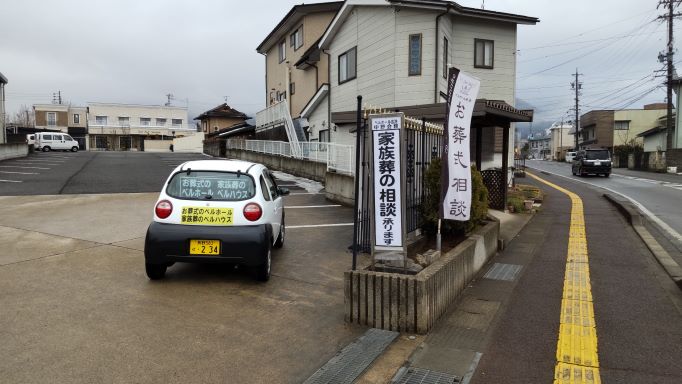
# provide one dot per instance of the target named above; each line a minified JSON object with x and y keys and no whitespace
{"x":407,"y":303}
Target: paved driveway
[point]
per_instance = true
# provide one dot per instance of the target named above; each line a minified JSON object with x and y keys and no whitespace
{"x":77,"y":306}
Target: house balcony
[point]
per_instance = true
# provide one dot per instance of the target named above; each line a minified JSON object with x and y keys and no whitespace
{"x":98,"y":128}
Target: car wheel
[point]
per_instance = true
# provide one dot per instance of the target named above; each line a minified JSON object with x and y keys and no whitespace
{"x":580,"y":172}
{"x":46,"y":149}
{"x":280,"y":239}
{"x":607,"y":174}
{"x":155,"y":271}
{"x":74,"y":149}
{"x":573,"y":171}
{"x":263,"y":271}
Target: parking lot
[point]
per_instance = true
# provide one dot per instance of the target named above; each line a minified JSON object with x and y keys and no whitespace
{"x":77,"y":306}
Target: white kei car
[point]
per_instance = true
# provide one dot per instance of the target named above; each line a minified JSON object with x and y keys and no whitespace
{"x":216,"y":211}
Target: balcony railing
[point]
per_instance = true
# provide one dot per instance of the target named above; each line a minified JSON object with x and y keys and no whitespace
{"x":338,"y":157}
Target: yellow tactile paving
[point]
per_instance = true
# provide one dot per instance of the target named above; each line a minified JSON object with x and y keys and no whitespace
{"x":576,"y":354}
{"x":572,"y":374}
{"x":579,"y":347}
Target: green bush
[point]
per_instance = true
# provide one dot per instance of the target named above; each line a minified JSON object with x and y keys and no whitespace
{"x":430,"y":208}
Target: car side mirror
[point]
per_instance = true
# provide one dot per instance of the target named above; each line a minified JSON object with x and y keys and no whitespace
{"x":283,"y":191}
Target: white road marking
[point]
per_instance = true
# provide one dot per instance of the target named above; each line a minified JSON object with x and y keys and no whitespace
{"x":319,"y":225}
{"x":14,"y":181}
{"x":647,"y":212}
{"x":30,"y":163}
{"x":311,"y":206}
{"x":17,"y":166}
{"x":20,"y":173}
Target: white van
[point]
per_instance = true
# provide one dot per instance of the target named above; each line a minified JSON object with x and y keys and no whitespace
{"x":52,"y":141}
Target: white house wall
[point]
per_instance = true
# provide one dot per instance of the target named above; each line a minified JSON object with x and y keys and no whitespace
{"x":318,"y":120}
{"x":497,"y":83}
{"x":414,"y":90}
{"x":371,"y":29}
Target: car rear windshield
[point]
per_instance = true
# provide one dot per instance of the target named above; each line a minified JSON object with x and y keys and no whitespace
{"x":597,"y":155}
{"x":210,"y":185}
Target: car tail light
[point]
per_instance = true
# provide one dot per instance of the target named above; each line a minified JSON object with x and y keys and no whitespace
{"x":252,"y":212}
{"x":163,"y":209}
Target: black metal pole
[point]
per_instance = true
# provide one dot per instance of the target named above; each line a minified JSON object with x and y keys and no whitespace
{"x":358,"y":134}
{"x":423,"y":190}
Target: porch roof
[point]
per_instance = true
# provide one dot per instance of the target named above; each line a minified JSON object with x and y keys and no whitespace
{"x":483,"y":110}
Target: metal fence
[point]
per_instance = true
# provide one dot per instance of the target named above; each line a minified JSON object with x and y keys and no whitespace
{"x":424,"y":142}
{"x":338,"y":157}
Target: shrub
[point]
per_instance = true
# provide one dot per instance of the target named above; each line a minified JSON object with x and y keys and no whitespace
{"x":430,"y":208}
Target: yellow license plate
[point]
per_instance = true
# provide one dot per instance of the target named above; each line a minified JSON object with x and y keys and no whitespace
{"x":207,"y":216}
{"x":204,"y":247}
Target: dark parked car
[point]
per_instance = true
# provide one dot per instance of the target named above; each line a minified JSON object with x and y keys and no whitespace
{"x":592,"y":161}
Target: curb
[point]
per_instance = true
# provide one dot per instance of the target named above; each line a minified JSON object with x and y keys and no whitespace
{"x":635,"y":219}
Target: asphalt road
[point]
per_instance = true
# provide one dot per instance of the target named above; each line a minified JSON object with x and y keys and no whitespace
{"x":659,"y":194}
{"x":637,"y":308}
{"x":77,"y":307}
{"x":55,"y":173}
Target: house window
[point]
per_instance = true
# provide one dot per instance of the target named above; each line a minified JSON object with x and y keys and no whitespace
{"x":324,"y":136}
{"x":347,"y":65}
{"x":282,"y":51}
{"x":145,"y":121}
{"x":623,"y":125}
{"x":296,"y":38}
{"x":176,"y":122}
{"x":76,"y":118}
{"x":446,"y":56}
{"x":484,"y":53}
{"x":124,"y":121}
{"x":292,"y":88}
{"x":51,"y":119}
{"x":415,"y":65}
{"x":160,"y":122}
{"x":101,"y":120}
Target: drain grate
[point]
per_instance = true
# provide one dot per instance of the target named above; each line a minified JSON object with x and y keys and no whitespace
{"x":506,"y":272}
{"x":427,"y":376}
{"x":348,"y":364}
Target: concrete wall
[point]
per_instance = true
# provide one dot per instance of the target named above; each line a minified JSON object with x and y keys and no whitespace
{"x":303,"y":168}
{"x":673,"y":157}
{"x":157,"y":145}
{"x":192,"y":144}
{"x":11,"y":151}
{"x":340,"y":188}
{"x":414,"y":303}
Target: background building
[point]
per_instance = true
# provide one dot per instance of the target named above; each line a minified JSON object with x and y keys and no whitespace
{"x":220,"y":118}
{"x":133,"y":127}
{"x":561,"y":141}
{"x":609,"y":128}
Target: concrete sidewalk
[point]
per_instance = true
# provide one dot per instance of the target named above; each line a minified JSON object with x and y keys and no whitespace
{"x":505,"y":327}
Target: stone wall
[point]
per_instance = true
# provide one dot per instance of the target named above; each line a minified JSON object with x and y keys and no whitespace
{"x":414,"y":303}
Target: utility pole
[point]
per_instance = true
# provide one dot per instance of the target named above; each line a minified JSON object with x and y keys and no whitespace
{"x":60,"y":96}
{"x":170,"y":97}
{"x":670,"y":16}
{"x":577,"y":86}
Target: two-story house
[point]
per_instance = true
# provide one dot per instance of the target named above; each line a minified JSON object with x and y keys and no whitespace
{"x":65,"y":118}
{"x":296,"y":70}
{"x":220,"y":117}
{"x":609,"y":128}
{"x":125,"y":127}
{"x":397,"y":54}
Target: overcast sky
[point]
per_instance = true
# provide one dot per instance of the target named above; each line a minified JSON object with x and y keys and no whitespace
{"x":131,"y":51}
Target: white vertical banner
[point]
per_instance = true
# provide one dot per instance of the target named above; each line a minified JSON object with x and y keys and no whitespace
{"x":456,"y":173}
{"x":388,"y":223}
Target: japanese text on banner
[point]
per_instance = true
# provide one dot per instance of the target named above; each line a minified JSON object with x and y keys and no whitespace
{"x":387,"y":182}
{"x":456,"y":178}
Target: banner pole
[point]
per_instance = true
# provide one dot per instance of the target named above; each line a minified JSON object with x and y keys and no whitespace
{"x":438,"y":238}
